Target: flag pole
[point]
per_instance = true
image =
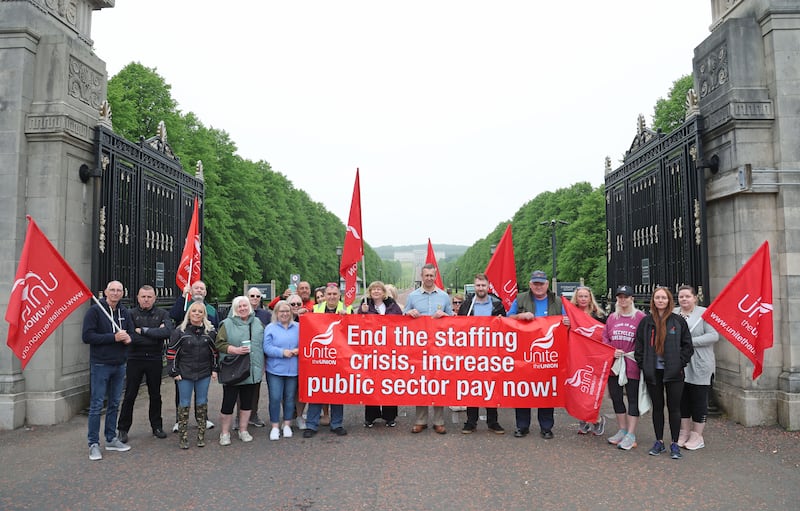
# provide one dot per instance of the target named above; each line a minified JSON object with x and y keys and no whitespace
{"x":364,"y":278}
{"x":109,"y":316}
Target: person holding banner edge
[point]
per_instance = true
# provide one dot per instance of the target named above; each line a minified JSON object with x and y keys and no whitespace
{"x":482,"y":304}
{"x":428,"y":300}
{"x":379,"y":303}
{"x":539,"y":301}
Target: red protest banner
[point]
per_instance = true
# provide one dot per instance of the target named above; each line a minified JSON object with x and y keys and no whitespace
{"x":45,"y":292}
{"x":465,"y":361}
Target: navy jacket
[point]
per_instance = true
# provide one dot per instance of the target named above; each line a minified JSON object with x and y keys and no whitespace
{"x":149,"y":345}
{"x":98,"y":333}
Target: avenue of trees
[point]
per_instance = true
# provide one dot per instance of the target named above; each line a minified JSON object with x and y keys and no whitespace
{"x":259,"y":227}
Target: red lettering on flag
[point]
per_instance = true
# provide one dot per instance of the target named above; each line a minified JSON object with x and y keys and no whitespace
{"x":45,"y":291}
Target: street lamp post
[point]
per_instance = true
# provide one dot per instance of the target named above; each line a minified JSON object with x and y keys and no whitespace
{"x":553,"y":224}
{"x":456,"y":286}
{"x":380,"y":274}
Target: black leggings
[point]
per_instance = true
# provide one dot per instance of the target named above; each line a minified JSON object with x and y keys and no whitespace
{"x":617,"y":399}
{"x":673,"y":389}
{"x":244,"y":393}
{"x":694,"y":402}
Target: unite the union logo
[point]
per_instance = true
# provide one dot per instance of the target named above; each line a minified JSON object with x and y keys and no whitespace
{"x":320,"y":349}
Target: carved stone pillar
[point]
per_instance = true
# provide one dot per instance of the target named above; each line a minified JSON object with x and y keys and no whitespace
{"x":53,"y":86}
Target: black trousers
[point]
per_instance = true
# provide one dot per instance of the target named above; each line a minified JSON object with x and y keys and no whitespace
{"x":135,"y":371}
{"x":387,"y":413}
{"x":472,"y":416}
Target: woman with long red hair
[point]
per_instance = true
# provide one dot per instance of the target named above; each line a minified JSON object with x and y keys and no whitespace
{"x":663,"y":348}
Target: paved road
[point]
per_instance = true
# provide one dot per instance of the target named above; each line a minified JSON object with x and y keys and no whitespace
{"x":46,"y":468}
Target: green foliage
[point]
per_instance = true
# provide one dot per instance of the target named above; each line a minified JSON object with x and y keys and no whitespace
{"x":257,"y":226}
{"x":670,"y":113}
{"x":580,"y":244}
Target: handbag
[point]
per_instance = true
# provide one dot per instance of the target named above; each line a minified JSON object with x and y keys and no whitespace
{"x":233,"y":370}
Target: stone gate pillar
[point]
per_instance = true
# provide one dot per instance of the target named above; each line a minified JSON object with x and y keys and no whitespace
{"x":51,"y":88}
{"x":746,"y":76}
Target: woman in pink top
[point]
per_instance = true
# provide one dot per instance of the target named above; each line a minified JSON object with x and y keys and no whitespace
{"x":620,"y":333}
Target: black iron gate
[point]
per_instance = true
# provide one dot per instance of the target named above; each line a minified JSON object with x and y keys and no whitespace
{"x":143,"y":206}
{"x":655,"y":214}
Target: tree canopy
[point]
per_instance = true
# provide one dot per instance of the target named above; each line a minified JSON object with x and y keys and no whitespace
{"x":258,"y":226}
{"x":670,"y":113}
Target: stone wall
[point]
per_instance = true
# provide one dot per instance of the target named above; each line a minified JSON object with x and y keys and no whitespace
{"x":747,"y":76}
{"x":51,"y":87}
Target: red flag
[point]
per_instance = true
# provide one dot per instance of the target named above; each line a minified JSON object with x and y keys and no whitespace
{"x":45,"y":292}
{"x":582,"y":323}
{"x":430,"y":258}
{"x":189,"y":268}
{"x":502,"y":270}
{"x":353,"y":250}
{"x":589,"y":363}
{"x":742,"y":312}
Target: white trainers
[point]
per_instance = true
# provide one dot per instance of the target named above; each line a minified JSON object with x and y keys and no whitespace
{"x":209,"y":424}
{"x":287,"y":431}
{"x":628,"y":442}
{"x":617,"y":437}
{"x":94,"y":452}
{"x":274,"y":434}
{"x":245,"y":436}
{"x":225,"y":439}
{"x":301,"y":422}
{"x":116,"y":445}
{"x":694,"y":442}
{"x":175,"y":428}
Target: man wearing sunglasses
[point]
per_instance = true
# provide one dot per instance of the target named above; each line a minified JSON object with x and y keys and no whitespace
{"x":539,"y":301}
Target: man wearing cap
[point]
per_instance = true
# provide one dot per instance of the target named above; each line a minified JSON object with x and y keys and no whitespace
{"x":539,"y":301}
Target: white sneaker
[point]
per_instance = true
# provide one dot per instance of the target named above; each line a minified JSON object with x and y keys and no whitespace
{"x":116,"y":445}
{"x":175,"y":428}
{"x":617,"y":437}
{"x":225,"y":439}
{"x":301,"y":422}
{"x":628,"y":442}
{"x":94,"y":452}
{"x":287,"y":431}
{"x":209,"y":425}
{"x":245,"y":436}
{"x":274,"y":434}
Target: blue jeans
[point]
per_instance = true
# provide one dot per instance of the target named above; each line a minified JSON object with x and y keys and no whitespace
{"x":314,"y":411}
{"x":282,"y":390}
{"x":200,"y":388}
{"x":105,"y":379}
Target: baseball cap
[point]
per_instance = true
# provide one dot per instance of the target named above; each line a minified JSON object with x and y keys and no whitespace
{"x":624,"y":290}
{"x":538,"y":276}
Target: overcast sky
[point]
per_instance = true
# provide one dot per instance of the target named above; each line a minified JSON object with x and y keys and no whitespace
{"x":456,"y":112}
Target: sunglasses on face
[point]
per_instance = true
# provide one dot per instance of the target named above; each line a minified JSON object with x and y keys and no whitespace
{"x":255,"y":296}
{"x":295,"y":304}
{"x":456,"y":302}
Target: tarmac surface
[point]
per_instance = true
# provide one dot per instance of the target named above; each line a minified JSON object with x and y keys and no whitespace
{"x":47,"y":468}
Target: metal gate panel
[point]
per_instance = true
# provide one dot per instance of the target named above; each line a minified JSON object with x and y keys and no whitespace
{"x":144,"y":203}
{"x":655,"y":211}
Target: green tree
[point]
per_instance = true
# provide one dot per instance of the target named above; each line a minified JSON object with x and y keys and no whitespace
{"x":670,"y":113}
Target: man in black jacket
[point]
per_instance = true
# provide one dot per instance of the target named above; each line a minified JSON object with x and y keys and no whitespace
{"x":482,"y":304}
{"x":151,"y":328}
